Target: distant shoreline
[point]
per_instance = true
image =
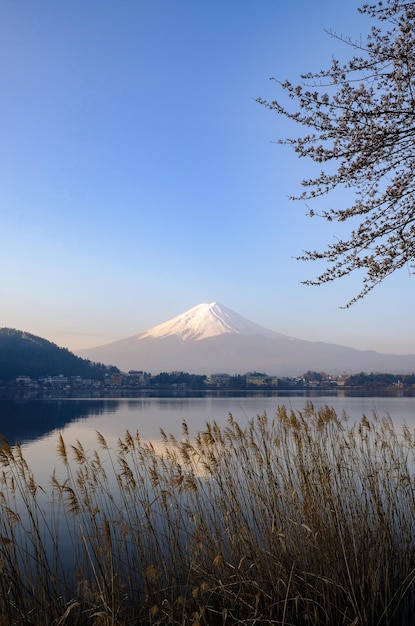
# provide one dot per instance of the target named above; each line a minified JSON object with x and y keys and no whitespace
{"x":97,"y":394}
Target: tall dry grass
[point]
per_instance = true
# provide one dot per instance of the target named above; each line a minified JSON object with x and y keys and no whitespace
{"x":296,"y":519}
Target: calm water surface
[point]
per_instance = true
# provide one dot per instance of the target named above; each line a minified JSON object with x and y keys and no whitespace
{"x":37,"y":423}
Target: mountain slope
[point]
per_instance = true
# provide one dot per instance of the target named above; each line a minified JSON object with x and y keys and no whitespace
{"x":211,"y":338}
{"x":24,"y":354}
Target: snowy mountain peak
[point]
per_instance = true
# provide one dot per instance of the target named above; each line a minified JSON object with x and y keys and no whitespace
{"x":211,"y":338}
{"x":206,"y":320}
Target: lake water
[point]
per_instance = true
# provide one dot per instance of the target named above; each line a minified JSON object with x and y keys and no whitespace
{"x":37,"y":423}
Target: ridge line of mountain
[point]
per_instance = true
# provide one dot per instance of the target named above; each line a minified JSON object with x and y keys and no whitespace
{"x":211,"y":338}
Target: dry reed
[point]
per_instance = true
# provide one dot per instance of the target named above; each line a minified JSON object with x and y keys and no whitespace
{"x":296,"y":519}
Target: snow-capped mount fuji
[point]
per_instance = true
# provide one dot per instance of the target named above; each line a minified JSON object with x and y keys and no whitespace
{"x":210,"y":338}
{"x":205,"y":321}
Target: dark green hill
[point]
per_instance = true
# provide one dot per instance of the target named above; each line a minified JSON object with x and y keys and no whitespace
{"x":23,"y":354}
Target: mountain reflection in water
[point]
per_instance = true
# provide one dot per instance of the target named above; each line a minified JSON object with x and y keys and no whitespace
{"x":22,"y":421}
{"x":30,"y":420}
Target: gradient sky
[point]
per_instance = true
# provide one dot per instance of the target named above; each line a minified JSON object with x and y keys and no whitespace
{"x":139,"y":177}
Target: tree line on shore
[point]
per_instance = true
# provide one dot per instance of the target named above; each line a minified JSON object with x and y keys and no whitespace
{"x":240,"y":382}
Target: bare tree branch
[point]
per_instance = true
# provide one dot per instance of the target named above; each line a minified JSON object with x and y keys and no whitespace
{"x":360,"y":116}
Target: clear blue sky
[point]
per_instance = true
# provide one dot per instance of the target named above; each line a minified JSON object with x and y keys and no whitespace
{"x":139,"y":177}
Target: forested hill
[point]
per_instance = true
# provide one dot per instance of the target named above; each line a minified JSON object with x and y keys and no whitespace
{"x":23,"y":354}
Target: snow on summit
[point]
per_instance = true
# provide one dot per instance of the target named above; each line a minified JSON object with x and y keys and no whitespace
{"x":211,"y":338}
{"x":206,"y":320}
